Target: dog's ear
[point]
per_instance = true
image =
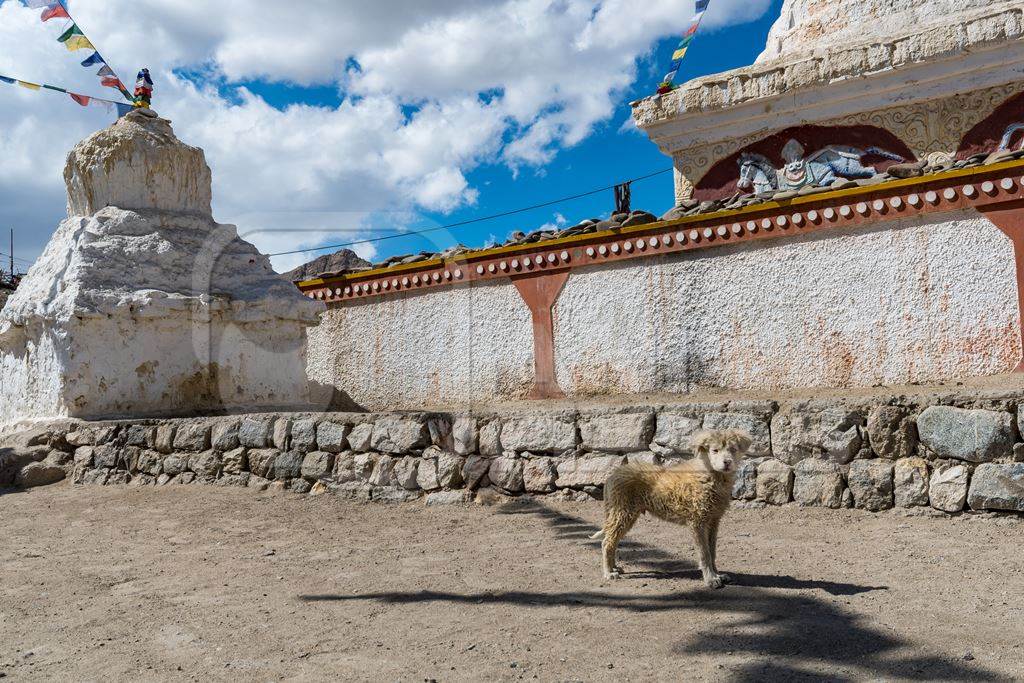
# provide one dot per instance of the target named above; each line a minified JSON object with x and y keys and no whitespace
{"x":700,"y":441}
{"x":740,"y":439}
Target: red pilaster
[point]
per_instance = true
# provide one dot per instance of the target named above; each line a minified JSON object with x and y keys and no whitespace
{"x":540,"y":292}
{"x":1010,"y":219}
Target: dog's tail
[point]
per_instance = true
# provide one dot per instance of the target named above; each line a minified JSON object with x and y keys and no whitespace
{"x":599,"y":534}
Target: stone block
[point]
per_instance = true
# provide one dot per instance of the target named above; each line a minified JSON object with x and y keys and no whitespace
{"x":757,"y":426}
{"x":360,"y":438}
{"x":449,"y":498}
{"x":539,"y":475}
{"x":150,"y":462}
{"x":304,"y":436}
{"x":997,"y":487}
{"x":405,"y":472}
{"x":353,"y":490}
{"x":317,"y":465}
{"x":507,"y":473}
{"x":426,"y":475}
{"x":192,"y":436}
{"x":394,"y":495}
{"x":910,"y":482}
{"x":384,"y":472}
{"x":539,"y":433}
{"x":164,"y":442}
{"x":674,"y":430}
{"x":332,"y":436}
{"x":224,"y":435}
{"x":261,"y":461}
{"x":644,"y":458}
{"x":142,"y":436}
{"x":818,"y":483}
{"x":258,"y":483}
{"x":829,"y":434}
{"x":256,"y":432}
{"x":490,"y":439}
{"x":449,"y":470}
{"x":970,"y":435}
{"x":364,"y":464}
{"x":892,"y":432}
{"x":288,"y":465}
{"x":300,"y":486}
{"x":439,"y":429}
{"x":744,"y":485}
{"x":588,"y":471}
{"x":235,"y":461}
{"x":175,"y":464}
{"x":947,"y":488}
{"x":465,"y":435}
{"x":281,"y":438}
{"x":240,"y":480}
{"x":474,"y":472}
{"x":39,"y":474}
{"x":871,"y":483}
{"x":617,"y":432}
{"x":774,"y":482}
{"x":84,"y":456}
{"x":106,"y":456}
{"x":398,"y":435}
{"x":206,"y":465}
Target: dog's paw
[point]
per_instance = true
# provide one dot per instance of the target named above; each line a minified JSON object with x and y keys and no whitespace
{"x":715,"y":582}
{"x":614,"y":574}
{"x":726,"y":579}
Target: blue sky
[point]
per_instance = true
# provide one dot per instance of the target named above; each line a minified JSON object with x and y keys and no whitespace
{"x":345,"y":119}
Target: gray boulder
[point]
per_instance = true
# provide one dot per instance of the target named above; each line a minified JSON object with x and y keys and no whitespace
{"x":331,"y":437}
{"x":910,"y":481}
{"x":426,"y":475}
{"x":261,"y":462}
{"x":871,"y":483}
{"x":398,"y":435}
{"x":774,"y":482}
{"x":39,"y":474}
{"x":317,"y":465}
{"x":818,"y":483}
{"x":947,"y":488}
{"x":164,"y":441}
{"x":539,"y":433}
{"x":539,"y":475}
{"x":192,"y":436}
{"x":150,"y":462}
{"x":744,"y":485}
{"x":360,"y":438}
{"x":490,"y":438}
{"x":288,"y":466}
{"x":474,"y":472}
{"x":833,"y":434}
{"x":224,"y":435}
{"x":449,"y":470}
{"x":465,"y":435}
{"x":406,"y":471}
{"x":997,"y":487}
{"x":617,"y":432}
{"x":674,"y":430}
{"x":304,"y":435}
{"x":206,"y":465}
{"x":891,"y":432}
{"x":507,"y":474}
{"x":235,"y":461}
{"x":971,"y":435}
{"x":282,"y":434}
{"x":384,"y":472}
{"x":256,"y":432}
{"x":588,"y":471}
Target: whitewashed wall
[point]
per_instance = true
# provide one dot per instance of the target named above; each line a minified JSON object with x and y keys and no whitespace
{"x":913,"y":301}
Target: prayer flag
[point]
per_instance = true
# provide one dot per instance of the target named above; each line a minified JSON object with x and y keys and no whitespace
{"x":81,"y":99}
{"x":78,"y":43}
{"x":30,"y":86}
{"x":54,"y":88}
{"x":105,"y":71}
{"x":93,"y":60}
{"x":5,"y":79}
{"x":110,"y":82}
{"x":123,"y":109}
{"x":55,"y":11}
{"x":667,"y":85}
{"x":702,"y":5}
{"x":73,"y":31}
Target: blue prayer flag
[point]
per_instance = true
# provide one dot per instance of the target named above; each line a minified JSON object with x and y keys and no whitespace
{"x":7,"y":80}
{"x":123,"y":109}
{"x":702,"y":5}
{"x":94,"y":59}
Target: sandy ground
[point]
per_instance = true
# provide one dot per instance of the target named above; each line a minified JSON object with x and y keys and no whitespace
{"x":201,"y":583}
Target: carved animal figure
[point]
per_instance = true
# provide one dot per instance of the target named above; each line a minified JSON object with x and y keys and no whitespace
{"x":1004,"y":144}
{"x":818,"y":170}
{"x":695,"y":494}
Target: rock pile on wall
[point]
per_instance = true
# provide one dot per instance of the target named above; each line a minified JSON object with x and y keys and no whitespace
{"x":831,"y":454}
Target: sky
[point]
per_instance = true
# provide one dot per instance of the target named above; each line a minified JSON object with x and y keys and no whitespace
{"x":332,"y":121}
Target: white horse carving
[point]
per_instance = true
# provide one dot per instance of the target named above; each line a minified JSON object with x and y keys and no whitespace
{"x":1004,"y":145}
{"x":818,"y":170}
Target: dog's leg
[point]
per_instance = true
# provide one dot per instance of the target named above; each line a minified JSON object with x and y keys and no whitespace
{"x":702,"y":539}
{"x":714,"y":550}
{"x":615,"y":529}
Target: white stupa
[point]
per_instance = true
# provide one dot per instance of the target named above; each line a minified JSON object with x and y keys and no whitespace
{"x":141,"y":303}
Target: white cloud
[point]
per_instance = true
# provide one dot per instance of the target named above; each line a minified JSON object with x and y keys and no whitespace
{"x":430,"y":90}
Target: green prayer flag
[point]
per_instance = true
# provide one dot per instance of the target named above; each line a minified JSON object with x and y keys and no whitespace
{"x":73,"y":31}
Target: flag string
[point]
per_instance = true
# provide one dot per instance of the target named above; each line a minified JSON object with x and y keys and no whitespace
{"x":74,"y":39}
{"x":82,"y":100}
{"x":668,"y":83}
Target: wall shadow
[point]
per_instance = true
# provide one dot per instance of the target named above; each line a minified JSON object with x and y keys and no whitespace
{"x":785,"y":636}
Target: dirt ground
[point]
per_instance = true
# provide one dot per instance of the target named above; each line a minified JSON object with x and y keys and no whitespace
{"x":202,"y":583}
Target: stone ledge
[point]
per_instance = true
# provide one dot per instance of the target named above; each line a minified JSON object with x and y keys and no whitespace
{"x":830,"y":453}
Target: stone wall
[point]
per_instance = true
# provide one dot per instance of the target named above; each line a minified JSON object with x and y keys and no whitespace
{"x":947,"y":453}
{"x":915,"y":300}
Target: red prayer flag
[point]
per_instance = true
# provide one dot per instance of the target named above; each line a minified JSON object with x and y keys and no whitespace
{"x":111,"y":83}
{"x":55,"y":11}
{"x":81,"y":99}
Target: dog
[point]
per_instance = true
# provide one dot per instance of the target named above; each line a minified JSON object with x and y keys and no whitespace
{"x":696,"y":493}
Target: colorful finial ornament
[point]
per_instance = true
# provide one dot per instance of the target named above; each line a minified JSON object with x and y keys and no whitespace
{"x":143,"y":90}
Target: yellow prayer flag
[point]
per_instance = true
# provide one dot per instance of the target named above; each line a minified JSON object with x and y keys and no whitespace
{"x":679,"y":54}
{"x":30,"y":86}
{"x":78,"y":43}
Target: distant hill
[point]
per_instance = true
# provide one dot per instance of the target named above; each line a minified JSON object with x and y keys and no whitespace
{"x":345,"y":260}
